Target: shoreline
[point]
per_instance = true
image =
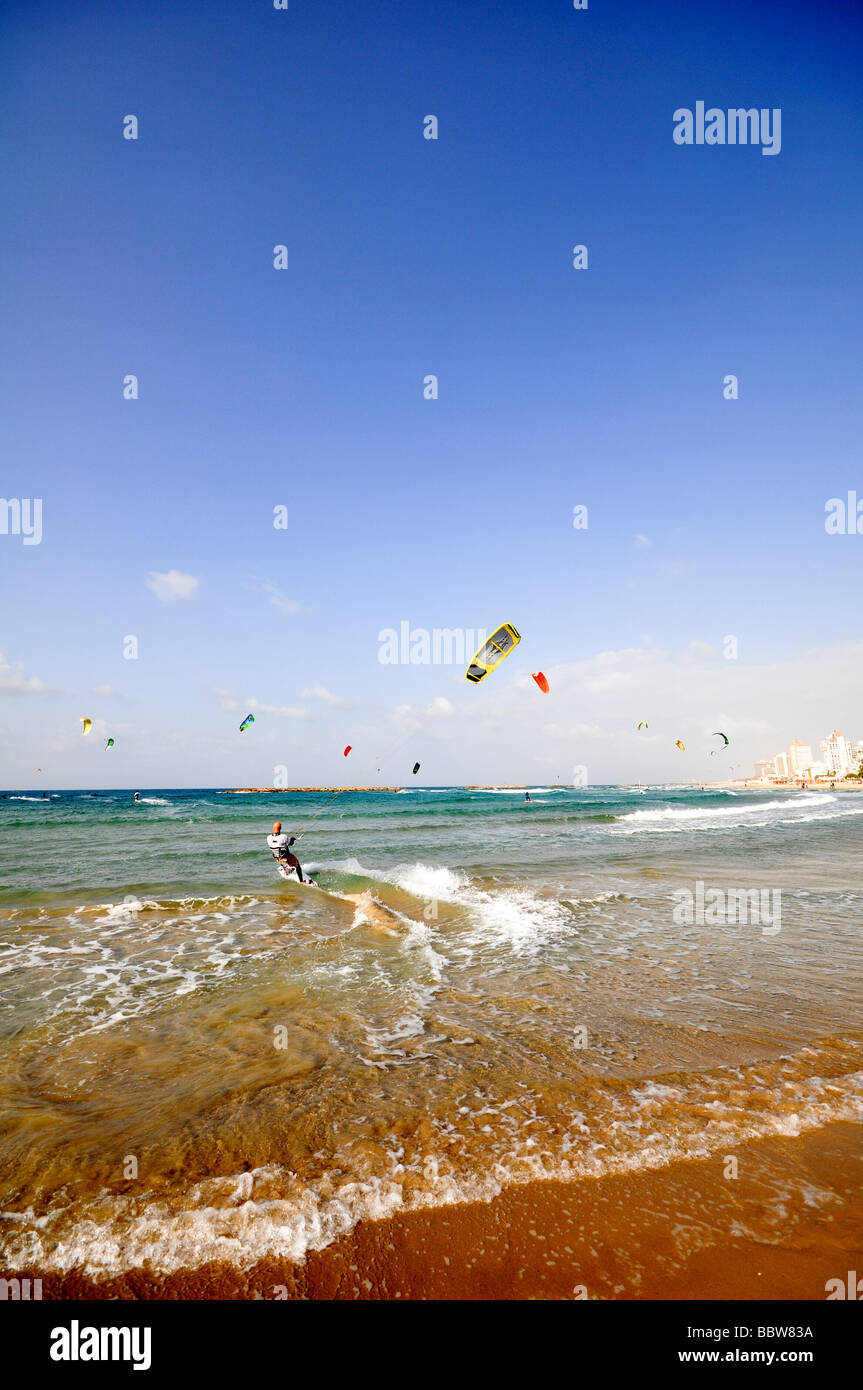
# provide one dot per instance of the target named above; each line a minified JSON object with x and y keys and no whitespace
{"x":684,"y":1231}
{"x":285,"y":791}
{"x":750,"y":784}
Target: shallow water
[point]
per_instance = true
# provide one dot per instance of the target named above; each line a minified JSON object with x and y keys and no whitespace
{"x":201,"y":1061}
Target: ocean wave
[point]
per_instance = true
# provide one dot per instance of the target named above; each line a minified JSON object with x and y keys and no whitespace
{"x":132,"y":904}
{"x":677,"y":813}
{"x":271,"y":1211}
{"x":513,"y":915}
{"x":514,"y":791}
{"x":800,"y":809}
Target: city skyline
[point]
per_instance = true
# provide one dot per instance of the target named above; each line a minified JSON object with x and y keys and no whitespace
{"x":841,"y":757}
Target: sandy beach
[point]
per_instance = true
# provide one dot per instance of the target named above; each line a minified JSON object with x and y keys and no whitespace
{"x":492,"y":1059}
{"x":638,"y":1236}
{"x":840,"y":785}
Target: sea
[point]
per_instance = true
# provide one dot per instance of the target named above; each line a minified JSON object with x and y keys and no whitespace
{"x":203,"y":1062}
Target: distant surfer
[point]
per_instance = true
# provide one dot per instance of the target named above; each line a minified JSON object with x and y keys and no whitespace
{"x":280,"y":843}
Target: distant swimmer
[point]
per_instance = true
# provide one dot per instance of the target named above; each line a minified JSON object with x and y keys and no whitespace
{"x":280,"y":843}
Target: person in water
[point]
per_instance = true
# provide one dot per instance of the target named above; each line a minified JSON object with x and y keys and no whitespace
{"x":280,"y":843}
{"x":137,"y":796}
{"x":527,"y":796}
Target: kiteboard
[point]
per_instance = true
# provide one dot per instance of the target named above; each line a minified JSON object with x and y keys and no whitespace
{"x":304,"y":882}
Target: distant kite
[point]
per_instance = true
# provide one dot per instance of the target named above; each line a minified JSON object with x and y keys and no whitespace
{"x":416,"y":768}
{"x":541,"y":681}
{"x":347,"y":750}
{"x":680,"y":745}
{"x":109,"y":744}
{"x":249,"y":719}
{"x":88,"y":724}
{"x":642,"y":724}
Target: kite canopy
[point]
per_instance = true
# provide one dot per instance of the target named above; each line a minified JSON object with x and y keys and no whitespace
{"x":541,"y":681}
{"x":678,"y":743}
{"x":719,"y":734}
{"x":347,"y":750}
{"x":642,"y":724}
{"x":249,"y":719}
{"x":416,"y":768}
{"x":109,"y":744}
{"x":88,"y":724}
{"x":503,"y":641}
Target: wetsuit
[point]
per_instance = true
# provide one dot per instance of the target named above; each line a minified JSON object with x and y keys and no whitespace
{"x":280,"y":845}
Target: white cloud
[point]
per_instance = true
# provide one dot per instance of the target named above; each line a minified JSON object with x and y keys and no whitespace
{"x":280,"y":600}
{"x":320,"y":692}
{"x":440,"y":708}
{"x":596,"y":703}
{"x":642,"y":542}
{"x":405,"y":719}
{"x":172,"y":585}
{"x":227,"y":698}
{"x":106,"y":691}
{"x":283,"y":711}
{"x":14,"y":681}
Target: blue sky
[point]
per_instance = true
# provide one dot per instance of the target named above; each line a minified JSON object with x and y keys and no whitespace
{"x":304,"y":387}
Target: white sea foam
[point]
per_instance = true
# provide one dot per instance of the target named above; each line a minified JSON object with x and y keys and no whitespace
{"x":512,"y":915}
{"x":695,"y":813}
{"x":133,"y":953}
{"x":796,"y":810}
{"x":271,"y":1211}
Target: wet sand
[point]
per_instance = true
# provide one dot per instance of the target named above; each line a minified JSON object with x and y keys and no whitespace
{"x":790,"y":1221}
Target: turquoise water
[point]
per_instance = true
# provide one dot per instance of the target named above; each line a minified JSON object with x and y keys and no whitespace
{"x":487,"y":991}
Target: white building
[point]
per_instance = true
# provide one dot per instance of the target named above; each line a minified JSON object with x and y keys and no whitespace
{"x":836,"y":754}
{"x":801,"y":757}
{"x":782,"y":764}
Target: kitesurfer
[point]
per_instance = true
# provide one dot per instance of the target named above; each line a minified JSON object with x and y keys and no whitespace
{"x":280,"y":843}
{"x":137,"y":796}
{"x":527,"y":796}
